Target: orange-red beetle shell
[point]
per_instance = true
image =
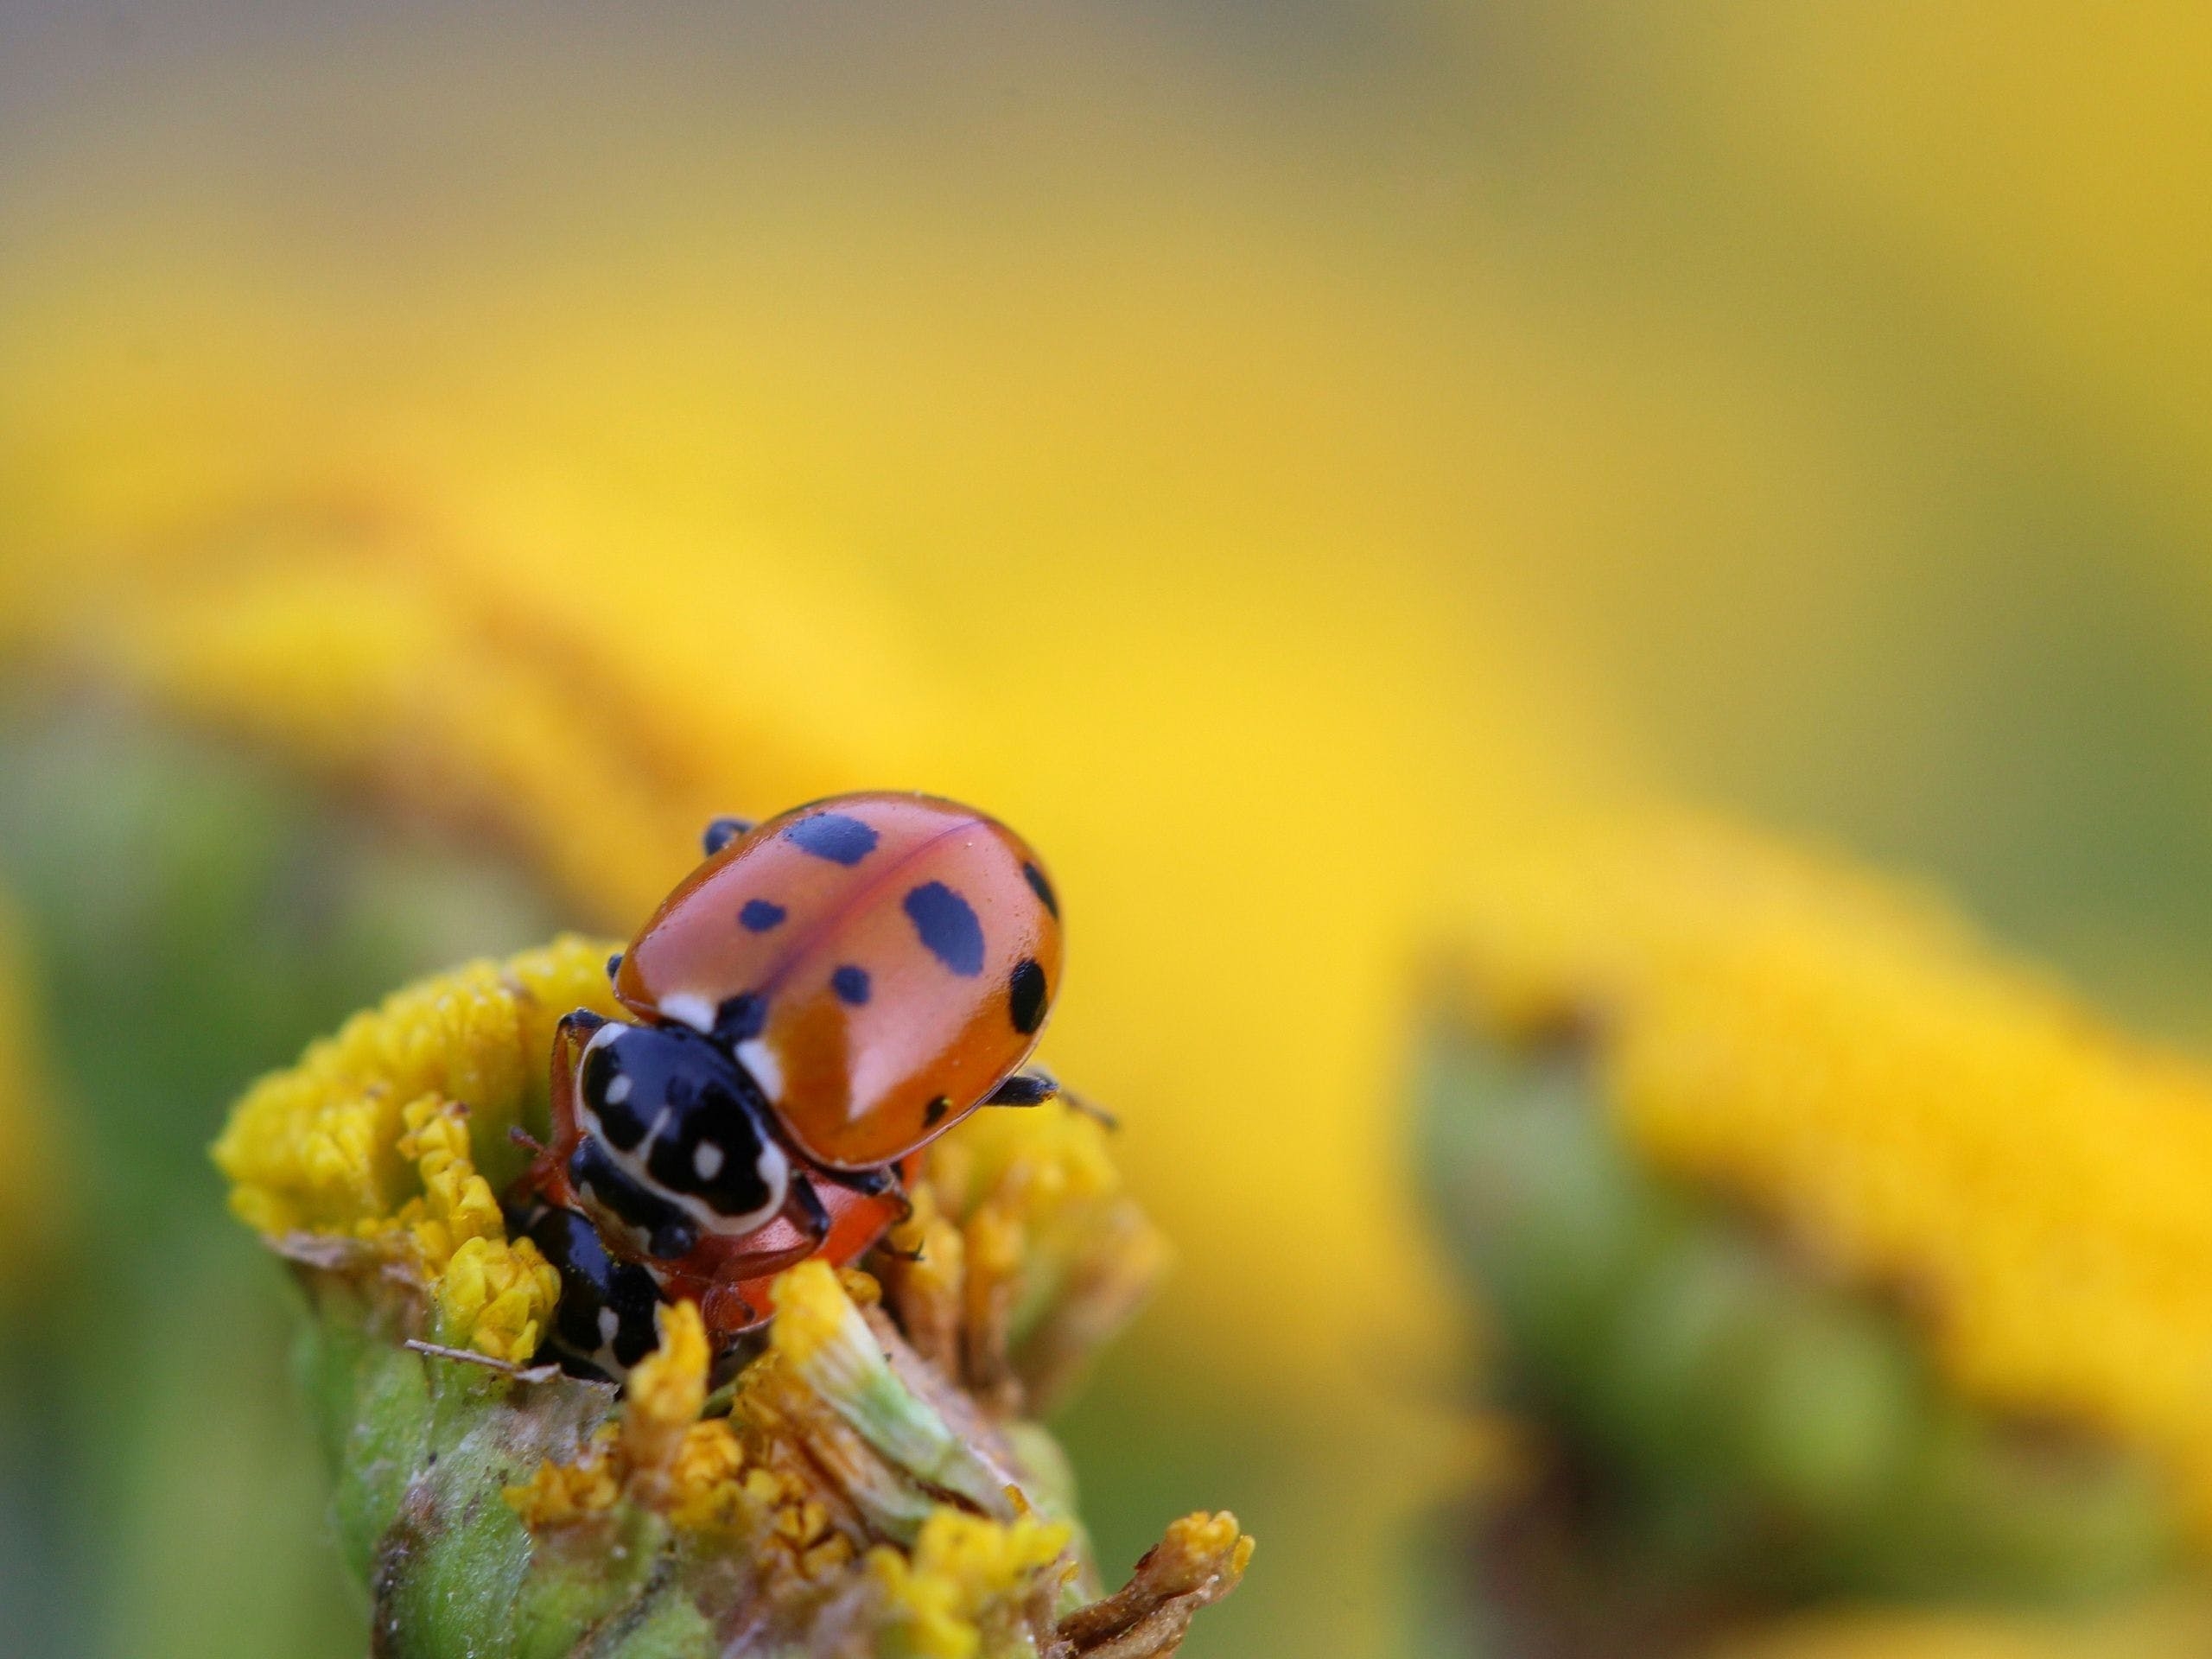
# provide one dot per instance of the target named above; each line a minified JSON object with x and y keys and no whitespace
{"x":879,"y":962}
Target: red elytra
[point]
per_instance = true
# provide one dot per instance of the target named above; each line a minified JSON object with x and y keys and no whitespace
{"x":904,"y":950}
{"x":879,"y":964}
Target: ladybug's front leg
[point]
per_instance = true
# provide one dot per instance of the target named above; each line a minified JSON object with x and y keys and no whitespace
{"x":882,"y":1182}
{"x":548,"y":1175}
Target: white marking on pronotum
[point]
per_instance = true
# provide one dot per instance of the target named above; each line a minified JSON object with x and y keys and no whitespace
{"x":775,"y":1172}
{"x":707,"y":1158}
{"x":610,"y":1325}
{"x":617,"y":1089}
{"x":693,"y":1010}
{"x":757,"y":1057}
{"x":605,"y":1036}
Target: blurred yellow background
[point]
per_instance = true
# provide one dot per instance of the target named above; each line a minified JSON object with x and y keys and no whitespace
{"x":1265,"y":453}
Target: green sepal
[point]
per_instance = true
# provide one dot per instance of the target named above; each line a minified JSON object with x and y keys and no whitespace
{"x":580,"y":1585}
{"x":1749,"y":1423}
{"x":369,"y":1399}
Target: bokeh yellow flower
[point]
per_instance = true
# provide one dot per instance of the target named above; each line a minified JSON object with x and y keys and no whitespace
{"x":1845,"y":1058}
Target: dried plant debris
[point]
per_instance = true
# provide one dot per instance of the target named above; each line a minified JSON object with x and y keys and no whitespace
{"x":870,"y":1481}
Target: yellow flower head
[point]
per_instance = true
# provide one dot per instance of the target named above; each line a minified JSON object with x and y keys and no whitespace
{"x":1847,"y":1058}
{"x":841,"y":1440}
{"x":379,"y":1133}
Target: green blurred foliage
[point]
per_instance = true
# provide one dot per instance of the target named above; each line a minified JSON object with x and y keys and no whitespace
{"x":197,"y":915}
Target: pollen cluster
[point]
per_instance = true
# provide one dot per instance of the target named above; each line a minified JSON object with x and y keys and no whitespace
{"x":1845,"y":1057}
{"x":959,"y":1568}
{"x":379,"y":1133}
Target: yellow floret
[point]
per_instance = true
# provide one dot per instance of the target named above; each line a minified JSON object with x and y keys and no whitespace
{"x":959,"y":1564}
{"x":1845,"y":1056}
{"x":663,"y":1399}
{"x":561,"y":1494}
{"x":811,"y":1311}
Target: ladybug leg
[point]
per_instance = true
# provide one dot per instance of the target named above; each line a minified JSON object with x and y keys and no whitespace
{"x":1090,"y":1109}
{"x":723,"y":831}
{"x":882,"y":1182}
{"x":807,"y":1212}
{"x":545,"y":1174}
{"x":1036,"y":1086}
{"x":871,"y":1183}
{"x":1031,"y":1088}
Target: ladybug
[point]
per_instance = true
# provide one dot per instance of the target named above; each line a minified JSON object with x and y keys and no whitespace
{"x":825,"y":995}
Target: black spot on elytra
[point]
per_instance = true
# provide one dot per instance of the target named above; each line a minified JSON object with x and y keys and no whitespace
{"x":761,"y":914}
{"x":741,"y":1018}
{"x":948,"y":927}
{"x":851,"y":984}
{"x":1042,"y":888}
{"x":1025,"y":996}
{"x":933,"y":1114}
{"x":834,"y":836}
